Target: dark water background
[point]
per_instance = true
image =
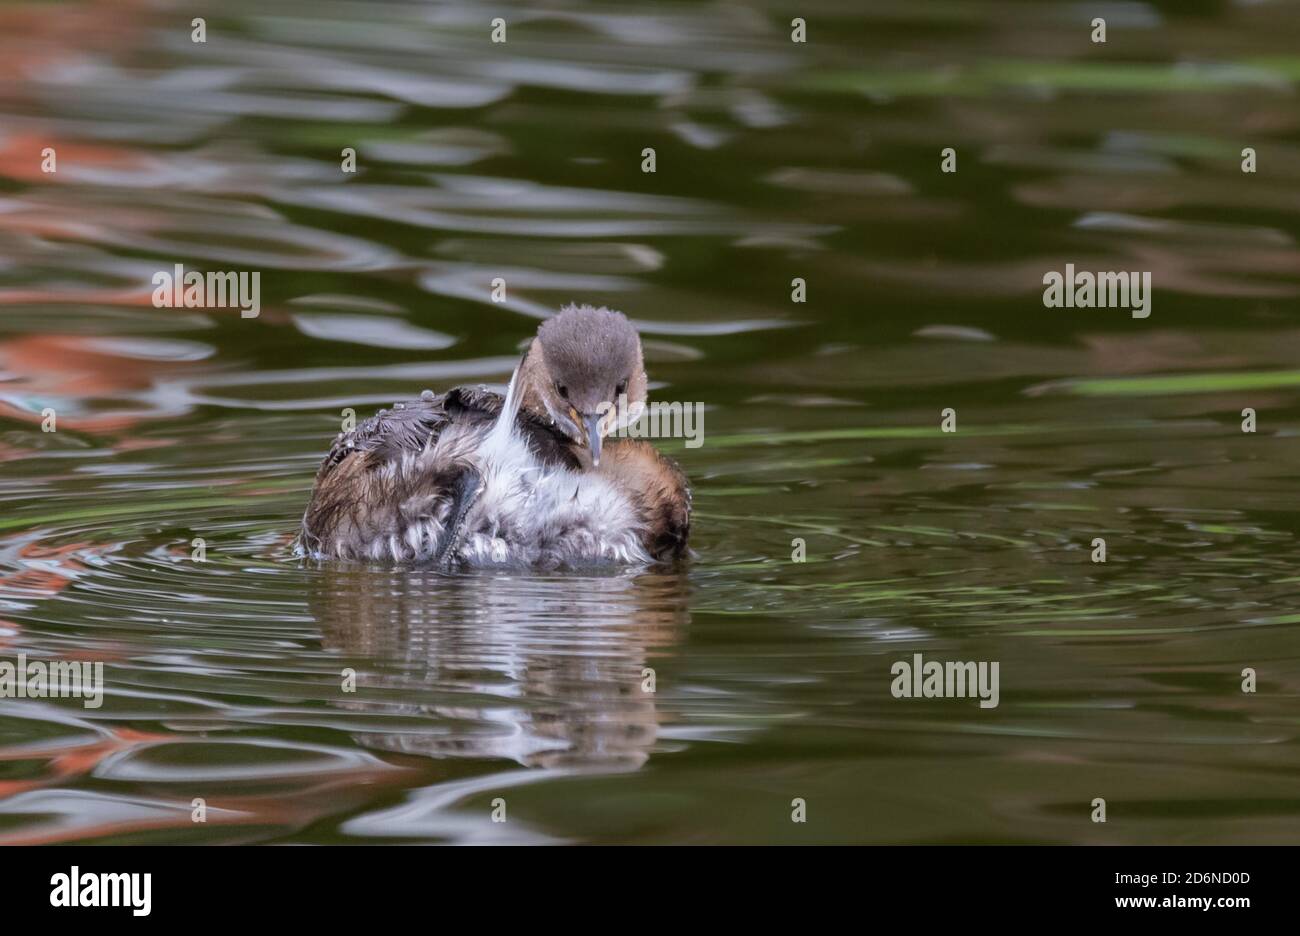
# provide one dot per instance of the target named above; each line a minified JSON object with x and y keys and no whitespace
{"x":775,"y":160}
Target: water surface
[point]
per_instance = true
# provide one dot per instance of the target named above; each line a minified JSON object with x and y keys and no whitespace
{"x":775,"y":160}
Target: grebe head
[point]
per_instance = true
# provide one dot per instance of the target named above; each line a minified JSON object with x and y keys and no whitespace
{"x":585,"y":372}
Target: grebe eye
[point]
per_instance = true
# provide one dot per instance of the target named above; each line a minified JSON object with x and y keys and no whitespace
{"x":562,"y":390}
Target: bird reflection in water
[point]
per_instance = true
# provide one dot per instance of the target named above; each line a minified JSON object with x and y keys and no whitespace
{"x":546,"y":671}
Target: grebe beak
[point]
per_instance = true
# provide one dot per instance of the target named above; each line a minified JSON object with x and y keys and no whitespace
{"x":593,"y":436}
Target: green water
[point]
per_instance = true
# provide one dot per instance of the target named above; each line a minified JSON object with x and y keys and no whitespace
{"x":774,"y":160}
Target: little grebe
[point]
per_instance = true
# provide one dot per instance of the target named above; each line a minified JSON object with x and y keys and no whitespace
{"x":470,"y":478}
